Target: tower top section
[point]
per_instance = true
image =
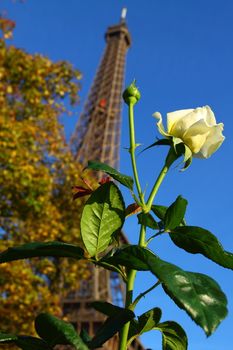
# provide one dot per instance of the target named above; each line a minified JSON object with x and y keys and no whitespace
{"x":119,"y":30}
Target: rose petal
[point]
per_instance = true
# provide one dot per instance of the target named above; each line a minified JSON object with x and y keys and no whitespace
{"x":198,"y":128}
{"x":160,"y":126}
{"x":173,"y":117}
{"x":187,"y":121}
{"x":213,"y":141}
{"x":196,"y":135}
{"x":210,"y":118}
{"x":195,"y":143}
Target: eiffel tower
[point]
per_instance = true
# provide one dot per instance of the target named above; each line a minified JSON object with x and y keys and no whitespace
{"x":97,"y":137}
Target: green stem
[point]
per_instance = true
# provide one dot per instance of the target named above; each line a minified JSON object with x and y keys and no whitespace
{"x":128,"y":302}
{"x":142,"y":237}
{"x":129,"y":294}
{"x":171,"y":157}
{"x":157,"y":184}
{"x":109,"y":267}
{"x":132,"y":151}
{"x":141,"y":295}
{"x":155,"y":235}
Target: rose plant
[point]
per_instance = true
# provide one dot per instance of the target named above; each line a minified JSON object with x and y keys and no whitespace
{"x":190,"y":133}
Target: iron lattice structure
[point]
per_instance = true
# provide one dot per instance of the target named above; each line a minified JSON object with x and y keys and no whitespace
{"x":97,"y":137}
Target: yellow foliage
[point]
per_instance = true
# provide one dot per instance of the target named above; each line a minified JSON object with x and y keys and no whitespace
{"x":37,"y":174}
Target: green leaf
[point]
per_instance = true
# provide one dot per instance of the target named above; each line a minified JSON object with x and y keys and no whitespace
{"x":147,"y":219}
{"x":173,"y":335}
{"x":7,"y":338}
{"x":55,"y":331}
{"x":146,"y":322}
{"x":198,"y":240}
{"x":159,"y":211}
{"x":106,"y":308}
{"x":149,"y":319}
{"x":24,"y":342}
{"x":85,"y":336}
{"x":102,"y":218}
{"x":123,"y":179}
{"x":199,"y":295}
{"x":131,"y":256}
{"x":111,"y":326}
{"x":109,"y":309}
{"x":175,"y":213}
{"x":31,"y":343}
{"x":38,"y":249}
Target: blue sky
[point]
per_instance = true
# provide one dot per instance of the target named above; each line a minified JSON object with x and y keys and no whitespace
{"x":182,"y":57}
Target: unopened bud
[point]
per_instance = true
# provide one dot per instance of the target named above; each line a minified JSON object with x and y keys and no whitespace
{"x":131,"y":95}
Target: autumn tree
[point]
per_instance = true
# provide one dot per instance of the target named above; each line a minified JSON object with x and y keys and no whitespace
{"x":38,"y":171}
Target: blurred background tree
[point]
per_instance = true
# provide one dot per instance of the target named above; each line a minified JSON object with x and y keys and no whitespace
{"x":37,"y":174}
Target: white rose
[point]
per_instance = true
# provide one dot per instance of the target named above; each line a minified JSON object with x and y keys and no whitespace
{"x":196,"y":128}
